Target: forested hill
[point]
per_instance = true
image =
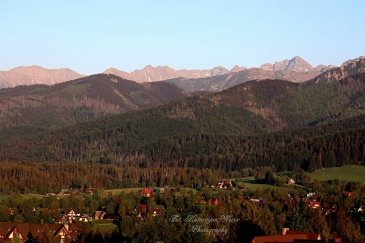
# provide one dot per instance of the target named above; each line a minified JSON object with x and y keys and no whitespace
{"x":228,"y":130}
{"x":42,"y":106}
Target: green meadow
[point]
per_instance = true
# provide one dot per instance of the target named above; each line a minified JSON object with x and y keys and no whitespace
{"x":354,"y":173}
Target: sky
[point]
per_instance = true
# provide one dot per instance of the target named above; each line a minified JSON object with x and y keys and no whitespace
{"x":89,"y":36}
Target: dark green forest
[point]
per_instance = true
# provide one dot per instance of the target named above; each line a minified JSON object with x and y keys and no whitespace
{"x":260,"y":123}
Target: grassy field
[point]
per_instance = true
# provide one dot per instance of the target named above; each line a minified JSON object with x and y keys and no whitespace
{"x":103,"y":226}
{"x":106,"y":192}
{"x":354,"y":173}
{"x":251,"y":184}
{"x":21,"y":197}
{"x":347,"y":173}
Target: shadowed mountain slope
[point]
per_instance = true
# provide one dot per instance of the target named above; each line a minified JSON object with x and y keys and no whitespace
{"x":79,"y":100}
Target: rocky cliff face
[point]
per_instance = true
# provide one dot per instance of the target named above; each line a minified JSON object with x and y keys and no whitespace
{"x":348,"y":68}
{"x":296,"y":64}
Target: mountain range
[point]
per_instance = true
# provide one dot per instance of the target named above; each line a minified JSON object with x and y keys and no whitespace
{"x":86,"y":98}
{"x":295,"y":69}
{"x":106,"y":119}
{"x":160,"y":73}
{"x":29,"y":75}
{"x":35,"y":107}
{"x":254,"y":123}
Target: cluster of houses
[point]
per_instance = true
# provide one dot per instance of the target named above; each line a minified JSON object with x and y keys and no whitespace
{"x":71,"y":216}
{"x":24,"y":232}
{"x":142,"y":209}
{"x":72,"y":190}
{"x":312,"y":200}
{"x":225,"y":184}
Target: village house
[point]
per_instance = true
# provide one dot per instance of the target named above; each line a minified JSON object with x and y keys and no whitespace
{"x":146,"y":192}
{"x":99,"y":215}
{"x":313,"y":204}
{"x":73,"y":215}
{"x":141,"y":210}
{"x":226,"y":184}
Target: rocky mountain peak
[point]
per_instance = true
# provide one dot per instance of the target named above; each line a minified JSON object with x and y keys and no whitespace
{"x":237,"y":68}
{"x":296,"y":64}
{"x":219,"y":70}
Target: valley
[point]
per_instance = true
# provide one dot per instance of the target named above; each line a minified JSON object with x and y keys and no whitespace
{"x":103,"y":144}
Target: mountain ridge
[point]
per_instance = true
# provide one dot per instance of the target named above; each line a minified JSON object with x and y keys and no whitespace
{"x":80,"y":100}
{"x":28,"y":75}
{"x":184,"y":132}
{"x":348,"y":68}
{"x":159,"y":73}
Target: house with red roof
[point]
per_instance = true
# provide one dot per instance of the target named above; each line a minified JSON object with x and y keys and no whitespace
{"x":146,"y":192}
{"x":313,"y":204}
{"x":99,"y":215}
{"x":141,"y":209}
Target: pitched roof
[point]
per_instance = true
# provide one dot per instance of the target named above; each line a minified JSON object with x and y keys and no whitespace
{"x":147,"y":190}
{"x":99,"y":214}
{"x":4,"y":228}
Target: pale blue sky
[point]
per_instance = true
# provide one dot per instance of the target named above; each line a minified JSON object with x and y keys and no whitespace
{"x":90,"y":36}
